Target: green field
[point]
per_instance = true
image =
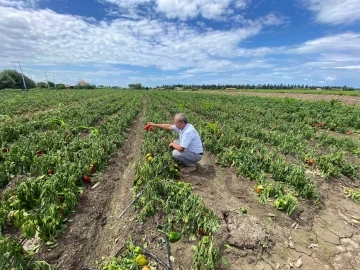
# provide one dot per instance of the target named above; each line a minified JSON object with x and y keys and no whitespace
{"x":53,"y":143}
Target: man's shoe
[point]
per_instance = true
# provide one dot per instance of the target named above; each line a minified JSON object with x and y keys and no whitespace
{"x":188,"y":169}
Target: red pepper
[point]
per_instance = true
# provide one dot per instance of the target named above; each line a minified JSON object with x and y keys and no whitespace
{"x":86,"y":178}
{"x":149,"y":128}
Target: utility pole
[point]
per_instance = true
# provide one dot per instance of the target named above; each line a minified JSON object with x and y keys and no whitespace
{"x":22,"y":75}
{"x":54,"y":82}
{"x":47,"y":80}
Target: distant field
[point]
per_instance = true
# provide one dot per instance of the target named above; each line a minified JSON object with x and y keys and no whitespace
{"x":297,"y":91}
{"x":346,"y":97}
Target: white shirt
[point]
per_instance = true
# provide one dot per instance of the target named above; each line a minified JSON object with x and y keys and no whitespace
{"x":190,"y":138}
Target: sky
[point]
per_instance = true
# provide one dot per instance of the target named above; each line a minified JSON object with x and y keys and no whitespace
{"x":157,"y":42}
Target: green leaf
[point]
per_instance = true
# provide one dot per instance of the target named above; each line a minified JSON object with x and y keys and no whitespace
{"x":224,"y":261}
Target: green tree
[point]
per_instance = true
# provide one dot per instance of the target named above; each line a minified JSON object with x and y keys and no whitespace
{"x":6,"y":81}
{"x":135,"y":86}
{"x":51,"y":84}
{"x":12,"y":79}
{"x":60,"y":86}
{"x":41,"y":85}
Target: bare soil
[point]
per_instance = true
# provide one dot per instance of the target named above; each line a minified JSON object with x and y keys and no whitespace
{"x":252,"y":236}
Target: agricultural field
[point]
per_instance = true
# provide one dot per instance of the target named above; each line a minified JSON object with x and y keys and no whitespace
{"x":84,"y":186}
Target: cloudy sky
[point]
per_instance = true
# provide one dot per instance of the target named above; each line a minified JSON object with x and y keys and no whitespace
{"x":156,"y":42}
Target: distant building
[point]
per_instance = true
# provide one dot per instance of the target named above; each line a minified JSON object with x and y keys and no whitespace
{"x":83,"y":83}
{"x":68,"y":86}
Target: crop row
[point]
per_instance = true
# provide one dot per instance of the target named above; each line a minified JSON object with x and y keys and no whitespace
{"x":40,"y":204}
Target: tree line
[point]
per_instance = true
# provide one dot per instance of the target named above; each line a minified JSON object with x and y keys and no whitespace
{"x":11,"y":79}
{"x":254,"y":87}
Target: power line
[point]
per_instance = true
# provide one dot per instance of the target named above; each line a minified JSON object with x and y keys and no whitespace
{"x":22,"y":75}
{"x":47,"y":80}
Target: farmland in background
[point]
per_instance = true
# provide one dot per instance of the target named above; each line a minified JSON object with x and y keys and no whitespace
{"x":56,"y":144}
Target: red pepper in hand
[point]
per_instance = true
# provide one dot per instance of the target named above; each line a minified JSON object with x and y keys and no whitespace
{"x":149,"y":128}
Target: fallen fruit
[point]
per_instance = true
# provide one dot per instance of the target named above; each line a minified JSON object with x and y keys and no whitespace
{"x":38,"y":153}
{"x":138,"y":250}
{"x":86,"y":178}
{"x":51,"y":171}
{"x":201,"y":232}
{"x":172,"y":236}
{"x":92,"y":168}
{"x":141,"y":260}
{"x":146,"y":268}
{"x":259,"y":188}
{"x":310,"y":162}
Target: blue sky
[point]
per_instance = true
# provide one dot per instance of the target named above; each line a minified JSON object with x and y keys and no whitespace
{"x":156,"y":42}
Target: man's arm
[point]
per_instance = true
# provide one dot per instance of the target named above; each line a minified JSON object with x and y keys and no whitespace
{"x":162,"y":126}
{"x":177,"y":146}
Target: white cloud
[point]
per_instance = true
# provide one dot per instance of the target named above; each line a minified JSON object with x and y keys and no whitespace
{"x":241,"y":3}
{"x":43,"y":36}
{"x":19,"y":3}
{"x":345,"y":42}
{"x":335,"y":11}
{"x":340,"y":57}
{"x":348,"y":67}
{"x":272,"y":19}
{"x":127,"y":3}
{"x":183,"y":9}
